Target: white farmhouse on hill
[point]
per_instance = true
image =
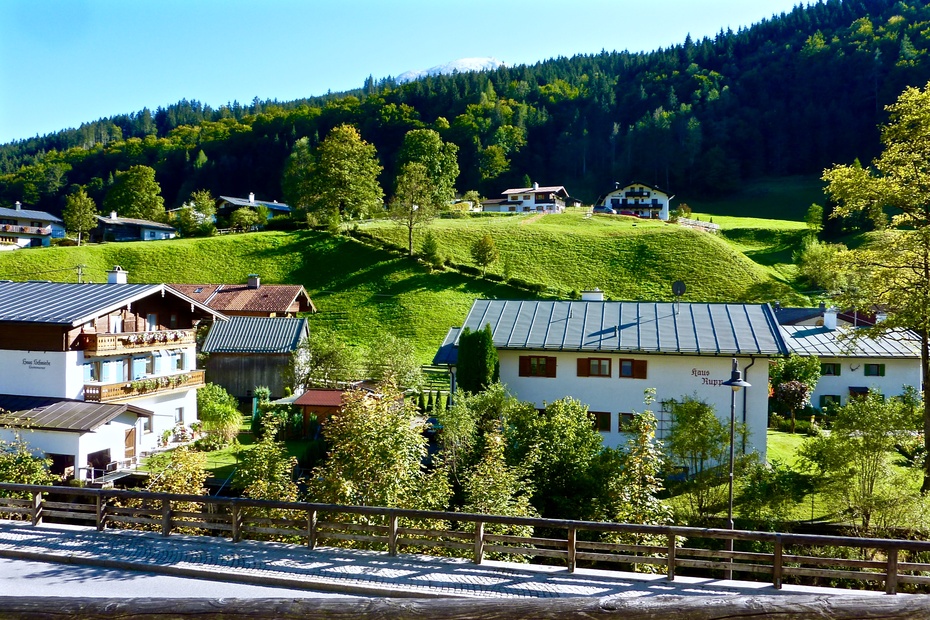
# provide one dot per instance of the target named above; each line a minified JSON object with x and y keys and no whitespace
{"x":549,"y":199}
{"x":638,"y":199}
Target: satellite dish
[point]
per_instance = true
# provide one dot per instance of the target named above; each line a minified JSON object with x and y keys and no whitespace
{"x":678,"y":288}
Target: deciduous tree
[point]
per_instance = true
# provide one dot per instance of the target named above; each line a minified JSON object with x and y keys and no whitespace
{"x":894,"y":272}
{"x":322,"y":360}
{"x":439,"y":160}
{"x":484,"y":252}
{"x":80,"y":213}
{"x":136,"y":194}
{"x":414,"y":202}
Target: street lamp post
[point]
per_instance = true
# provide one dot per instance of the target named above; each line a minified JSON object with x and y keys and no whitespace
{"x":736,"y":382}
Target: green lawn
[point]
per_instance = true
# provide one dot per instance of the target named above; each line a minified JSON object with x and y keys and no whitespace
{"x":782,"y":198}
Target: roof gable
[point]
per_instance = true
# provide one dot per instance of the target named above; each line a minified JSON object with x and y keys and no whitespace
{"x":59,"y":303}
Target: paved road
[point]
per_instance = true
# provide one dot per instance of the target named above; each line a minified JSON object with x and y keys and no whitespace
{"x":367,"y":573}
{"x":46,"y":579}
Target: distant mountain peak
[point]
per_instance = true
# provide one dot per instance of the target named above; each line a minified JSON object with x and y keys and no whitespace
{"x":461,"y":65}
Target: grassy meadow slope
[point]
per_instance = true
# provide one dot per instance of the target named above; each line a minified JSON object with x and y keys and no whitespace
{"x":626,"y":257}
{"x":362,"y":291}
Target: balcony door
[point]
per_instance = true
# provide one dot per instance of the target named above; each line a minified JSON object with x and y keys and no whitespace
{"x":130,"y":452}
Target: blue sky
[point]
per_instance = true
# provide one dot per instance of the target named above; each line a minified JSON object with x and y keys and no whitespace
{"x":66,"y":62}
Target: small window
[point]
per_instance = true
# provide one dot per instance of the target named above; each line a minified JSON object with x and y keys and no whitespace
{"x":537,"y":366}
{"x":593,"y":367}
{"x":146,"y":425}
{"x":150,"y":365}
{"x":527,"y":197}
{"x":831,"y":369}
{"x":151,"y":322}
{"x":90,"y":372}
{"x":513,"y":209}
{"x":632,"y":369}
{"x":173,"y":321}
{"x":601,"y":421}
{"x":625,"y":422}
{"x":858,"y":392}
{"x":829,"y":401}
{"x":179,"y":415}
{"x":179,"y":361}
{"x":199,"y":289}
{"x":874,"y":370}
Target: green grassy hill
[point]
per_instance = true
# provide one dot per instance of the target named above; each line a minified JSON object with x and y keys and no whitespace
{"x":362,"y":291}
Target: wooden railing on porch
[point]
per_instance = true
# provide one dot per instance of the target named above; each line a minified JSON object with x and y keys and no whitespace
{"x":774,"y":556}
{"x":109,"y":344}
{"x":108,"y":392}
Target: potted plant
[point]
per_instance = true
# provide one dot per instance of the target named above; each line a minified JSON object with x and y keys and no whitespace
{"x":166,"y":436}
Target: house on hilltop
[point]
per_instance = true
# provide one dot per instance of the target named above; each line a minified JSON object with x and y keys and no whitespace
{"x":638,"y":199}
{"x":606,"y":353}
{"x":97,"y":372}
{"x":250,"y":299}
{"x":25,"y":228}
{"x":549,"y":199}
{"x":116,"y":228}
{"x":227,"y":204}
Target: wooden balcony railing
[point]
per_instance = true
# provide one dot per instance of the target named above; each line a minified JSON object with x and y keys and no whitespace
{"x":107,"y":392}
{"x":26,"y":230}
{"x":106,"y":344}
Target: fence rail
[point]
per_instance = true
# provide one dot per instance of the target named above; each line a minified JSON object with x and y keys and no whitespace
{"x":768,"y":556}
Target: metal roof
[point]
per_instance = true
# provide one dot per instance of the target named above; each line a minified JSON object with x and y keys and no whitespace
{"x":528,"y":190}
{"x":252,"y":334}
{"x":130,"y":221}
{"x":244,"y":202}
{"x":629,"y":326}
{"x":28,"y":214}
{"x":59,"y":303}
{"x":808,"y":340}
{"x":61,"y":414}
{"x":448,"y":352}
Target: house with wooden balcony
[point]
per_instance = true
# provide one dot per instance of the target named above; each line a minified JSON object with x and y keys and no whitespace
{"x":639,"y":200}
{"x":25,"y":228}
{"x":535,"y":199}
{"x":93,"y":346}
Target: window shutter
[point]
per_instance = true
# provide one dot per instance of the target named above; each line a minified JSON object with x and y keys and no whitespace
{"x":584,"y":367}
{"x":524,"y":365}
{"x":550,"y":366}
{"x":639,"y":369}
{"x":837,"y":369}
{"x":881,"y":370}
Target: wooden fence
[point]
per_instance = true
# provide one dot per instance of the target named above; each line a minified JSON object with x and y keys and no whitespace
{"x":769,"y":556}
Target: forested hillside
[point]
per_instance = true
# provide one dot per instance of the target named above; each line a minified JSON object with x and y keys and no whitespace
{"x":790,"y":95}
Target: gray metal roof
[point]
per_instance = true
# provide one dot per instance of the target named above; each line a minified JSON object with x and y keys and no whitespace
{"x":448,"y":353}
{"x":59,"y":303}
{"x":61,"y":414}
{"x":629,"y":326}
{"x":28,"y":214}
{"x":253,"y":334}
{"x":244,"y":202}
{"x":130,"y":221}
{"x":806,"y":340}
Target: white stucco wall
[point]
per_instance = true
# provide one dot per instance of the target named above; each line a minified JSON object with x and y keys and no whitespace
{"x":41,"y":373}
{"x":898,"y":373}
{"x":672,"y":376}
{"x":619,"y":194}
{"x":164,"y":407}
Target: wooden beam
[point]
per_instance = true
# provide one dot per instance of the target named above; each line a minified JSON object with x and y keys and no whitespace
{"x":784,"y":607}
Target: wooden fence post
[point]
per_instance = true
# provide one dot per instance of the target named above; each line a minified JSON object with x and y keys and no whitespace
{"x":479,"y":541}
{"x":236,"y":519}
{"x":670,"y":563}
{"x":392,"y":533}
{"x":101,"y":512}
{"x":777,"y":563}
{"x":891,"y":573}
{"x":572,"y":540}
{"x":165,"y":517}
{"x":36,"y":507}
{"x":311,"y":529}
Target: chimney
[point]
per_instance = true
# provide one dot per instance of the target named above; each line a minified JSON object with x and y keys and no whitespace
{"x":254,"y":281}
{"x":823,"y":306}
{"x":616,"y":184}
{"x":117,"y":275}
{"x":112,"y":215}
{"x":595,"y":295}
{"x":535,"y":185}
{"x":19,"y":206}
{"x":251,"y":198}
{"x":777,"y":306}
{"x":829,"y":318}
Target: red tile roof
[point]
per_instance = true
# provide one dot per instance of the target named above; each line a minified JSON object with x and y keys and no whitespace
{"x":320,"y":398}
{"x":233,"y":298}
